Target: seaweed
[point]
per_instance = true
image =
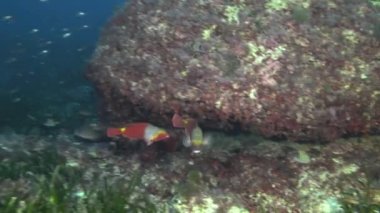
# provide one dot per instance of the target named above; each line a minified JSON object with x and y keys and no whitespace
{"x":301,"y":14}
{"x":18,"y":163}
{"x":362,"y":199}
{"x":116,"y":197}
{"x":55,"y":186}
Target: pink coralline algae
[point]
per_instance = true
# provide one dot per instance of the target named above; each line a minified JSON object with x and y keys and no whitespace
{"x":299,"y":70}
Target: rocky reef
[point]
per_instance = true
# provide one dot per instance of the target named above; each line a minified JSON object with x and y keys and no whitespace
{"x":294,"y":69}
{"x":56,"y":173}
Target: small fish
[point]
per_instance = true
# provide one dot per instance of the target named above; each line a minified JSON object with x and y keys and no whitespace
{"x":66,"y":35}
{"x":194,"y":138}
{"x":197,"y":136}
{"x":16,"y":100}
{"x":35,"y":30}
{"x":7,"y":18}
{"x":140,"y":131}
{"x":43,"y":52}
{"x":193,"y":133}
{"x":50,"y":122}
{"x":81,"y":13}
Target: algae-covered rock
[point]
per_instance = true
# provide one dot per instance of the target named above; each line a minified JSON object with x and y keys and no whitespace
{"x":304,"y":70}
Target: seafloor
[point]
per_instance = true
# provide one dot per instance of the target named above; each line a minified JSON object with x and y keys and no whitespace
{"x":50,"y":169}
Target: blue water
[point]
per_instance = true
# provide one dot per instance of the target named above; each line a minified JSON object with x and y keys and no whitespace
{"x":45,"y":46}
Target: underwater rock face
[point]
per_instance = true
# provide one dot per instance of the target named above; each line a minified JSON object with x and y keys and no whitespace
{"x":302,"y":70}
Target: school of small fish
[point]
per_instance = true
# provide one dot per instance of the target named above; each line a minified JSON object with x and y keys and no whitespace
{"x":44,"y":37}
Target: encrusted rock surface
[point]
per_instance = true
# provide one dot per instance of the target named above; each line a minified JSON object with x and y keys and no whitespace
{"x":267,"y":176}
{"x":302,"y":70}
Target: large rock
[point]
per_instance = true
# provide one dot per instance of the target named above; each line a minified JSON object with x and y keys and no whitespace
{"x":296,"y":69}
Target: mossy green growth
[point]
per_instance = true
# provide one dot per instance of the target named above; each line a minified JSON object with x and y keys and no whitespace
{"x":269,"y":202}
{"x":375,"y":3}
{"x":376,"y":29}
{"x":277,"y":52}
{"x":53,"y":193}
{"x":235,"y":209}
{"x":117,"y":197}
{"x":207,"y":205}
{"x":16,"y":164}
{"x":194,"y":176}
{"x":259,"y":53}
{"x":301,"y":14}
{"x":302,"y":157}
{"x":351,"y":36}
{"x":65,"y":192}
{"x":348,"y":169}
{"x":357,"y":68}
{"x":365,"y":198}
{"x":232,"y":13}
{"x":206,"y":33}
{"x":56,"y":187}
{"x":276,"y":5}
{"x":191,"y":185}
{"x":330,"y":205}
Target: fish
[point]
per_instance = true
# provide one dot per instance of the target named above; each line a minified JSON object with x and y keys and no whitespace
{"x":35,"y":30}
{"x":139,"y":131}
{"x":193,"y":133}
{"x":187,"y":123}
{"x":197,"y":136}
{"x":194,"y":138}
{"x":66,"y":35}
{"x":81,"y":13}
{"x":7,"y":18}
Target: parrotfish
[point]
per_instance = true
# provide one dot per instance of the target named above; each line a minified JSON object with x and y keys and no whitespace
{"x":140,"y":131}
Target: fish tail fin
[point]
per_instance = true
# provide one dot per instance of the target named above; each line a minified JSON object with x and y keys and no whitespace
{"x":186,"y":140}
{"x":112,"y":132}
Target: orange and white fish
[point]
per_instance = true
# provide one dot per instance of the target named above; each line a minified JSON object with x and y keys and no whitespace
{"x":140,"y":131}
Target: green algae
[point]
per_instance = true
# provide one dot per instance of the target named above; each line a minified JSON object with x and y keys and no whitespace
{"x":363,"y":198}
{"x":236,"y":209}
{"x":351,"y":36}
{"x":276,"y":5}
{"x":375,"y":3}
{"x":330,"y":205}
{"x":194,"y":176}
{"x":232,"y":14}
{"x":301,"y":14}
{"x":19,"y":163}
{"x":376,"y":29}
{"x":64,"y":192}
{"x":259,"y":53}
{"x":191,"y":186}
{"x":206,"y":33}
{"x":54,"y":185}
{"x":271,"y":203}
{"x":302,"y":157}
{"x":206,"y":205}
